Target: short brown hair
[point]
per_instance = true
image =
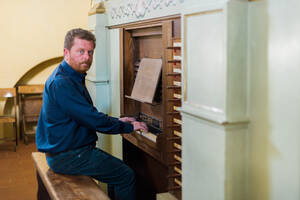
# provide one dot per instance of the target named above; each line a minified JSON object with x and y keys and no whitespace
{"x":78,"y":33}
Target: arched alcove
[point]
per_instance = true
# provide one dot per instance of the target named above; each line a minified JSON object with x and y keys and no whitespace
{"x":39,"y":73}
{"x":36,"y":75}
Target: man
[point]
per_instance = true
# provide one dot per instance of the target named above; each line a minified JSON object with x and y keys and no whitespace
{"x":68,"y":122}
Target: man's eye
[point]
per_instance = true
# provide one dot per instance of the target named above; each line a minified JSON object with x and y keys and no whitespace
{"x":81,"y":51}
{"x":90,"y":53}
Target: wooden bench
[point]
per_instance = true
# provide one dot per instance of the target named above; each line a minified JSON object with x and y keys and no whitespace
{"x":64,"y":187}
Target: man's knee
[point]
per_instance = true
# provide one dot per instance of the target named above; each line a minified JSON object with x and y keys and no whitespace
{"x":130,"y":175}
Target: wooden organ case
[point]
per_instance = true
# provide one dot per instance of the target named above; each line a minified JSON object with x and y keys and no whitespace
{"x":154,"y":156}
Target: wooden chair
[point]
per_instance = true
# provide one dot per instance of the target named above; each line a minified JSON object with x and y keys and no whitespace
{"x":30,"y":102}
{"x":5,"y":94}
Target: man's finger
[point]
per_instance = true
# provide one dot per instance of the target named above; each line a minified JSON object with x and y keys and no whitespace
{"x":131,"y":119}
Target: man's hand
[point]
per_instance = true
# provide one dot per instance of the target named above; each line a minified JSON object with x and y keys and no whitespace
{"x":139,"y":126}
{"x":127,"y":119}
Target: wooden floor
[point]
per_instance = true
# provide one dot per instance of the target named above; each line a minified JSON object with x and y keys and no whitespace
{"x":17,"y":172}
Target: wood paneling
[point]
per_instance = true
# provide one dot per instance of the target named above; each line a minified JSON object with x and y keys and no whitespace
{"x":154,"y":160}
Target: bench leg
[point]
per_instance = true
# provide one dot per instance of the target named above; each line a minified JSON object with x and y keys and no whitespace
{"x":42,"y":193}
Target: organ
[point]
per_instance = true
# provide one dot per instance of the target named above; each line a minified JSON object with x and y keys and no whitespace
{"x":152,"y":49}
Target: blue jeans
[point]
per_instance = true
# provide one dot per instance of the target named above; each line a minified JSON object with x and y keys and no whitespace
{"x":93,"y":162}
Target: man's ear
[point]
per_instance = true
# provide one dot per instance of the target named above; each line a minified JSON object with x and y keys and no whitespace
{"x":66,"y":53}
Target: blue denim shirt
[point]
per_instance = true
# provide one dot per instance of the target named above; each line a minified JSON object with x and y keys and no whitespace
{"x":68,"y":119}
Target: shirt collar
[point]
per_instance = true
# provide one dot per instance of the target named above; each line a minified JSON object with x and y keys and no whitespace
{"x":69,"y":70}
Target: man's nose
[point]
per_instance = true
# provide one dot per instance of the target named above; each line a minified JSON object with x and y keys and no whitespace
{"x":86,"y":55}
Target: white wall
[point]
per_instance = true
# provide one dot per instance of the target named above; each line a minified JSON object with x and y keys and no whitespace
{"x":274,"y":63}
